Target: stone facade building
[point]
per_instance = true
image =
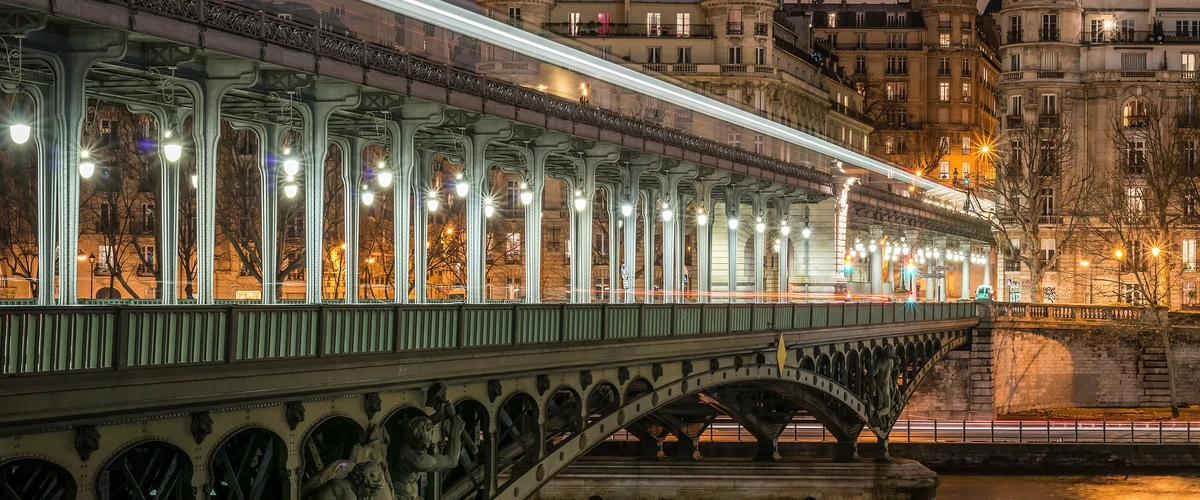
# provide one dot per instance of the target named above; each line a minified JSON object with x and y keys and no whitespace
{"x":1096,"y":67}
{"x":933,"y":67}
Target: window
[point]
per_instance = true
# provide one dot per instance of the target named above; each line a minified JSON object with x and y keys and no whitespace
{"x":944,"y":145}
{"x":944,"y":92}
{"x":1134,"y":114}
{"x":147,"y":266}
{"x":1135,"y":200}
{"x":1131,"y":293}
{"x":966,"y":67}
{"x":943,"y":170}
{"x":760,"y":55}
{"x":1047,"y":247}
{"x":966,"y":145}
{"x":104,"y":261}
{"x":1014,"y":62}
{"x":735,"y":140}
{"x":758,"y":143}
{"x":1050,"y":104}
{"x":735,"y":55}
{"x":514,"y":16}
{"x":573,"y":23}
{"x":833,"y":19}
{"x":514,"y":194}
{"x":944,"y":39}
{"x":1189,"y":155}
{"x":944,"y":66}
{"x":1182,"y":28}
{"x":1049,"y":27}
{"x":1014,"y":28}
{"x":1014,"y":105}
{"x":654,"y":55}
{"x":966,"y":170}
{"x":1135,"y":157}
{"x":683,"y":24}
{"x":896,"y":91}
{"x":1188,"y":61}
{"x":966,"y":92}
{"x":1126,"y":33}
{"x":860,"y":19}
{"x":1012,"y":256}
{"x":605,"y":51}
{"x":653,"y":23}
{"x":604,"y":19}
{"x":1096,"y":34}
{"x":860,"y":65}
{"x":897,"y":41}
{"x":512,"y":244}
{"x":897,"y":20}
{"x":1048,"y":162}
{"x":683,"y":55}
{"x":1188,"y":251}
{"x":1050,"y":61}
{"x":1046,"y":202}
{"x":1133,"y":61}
{"x":888,"y":146}
{"x":600,"y":243}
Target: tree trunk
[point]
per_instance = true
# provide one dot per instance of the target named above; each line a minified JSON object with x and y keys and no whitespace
{"x":1165,"y":332}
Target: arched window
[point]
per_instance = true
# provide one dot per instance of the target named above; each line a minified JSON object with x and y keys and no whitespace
{"x":1134,"y":114}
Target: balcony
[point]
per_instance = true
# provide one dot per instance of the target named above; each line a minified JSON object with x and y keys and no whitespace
{"x":966,"y":99}
{"x":1136,"y":121}
{"x":1138,"y":36}
{"x":943,"y":25}
{"x":966,"y":25}
{"x":1014,"y":121}
{"x":732,"y":28}
{"x":1016,"y":36}
{"x":966,"y":73}
{"x":760,"y":29}
{"x":1046,"y":35}
{"x":1050,"y":74}
{"x":630,"y":30}
{"x":1047,"y":120}
{"x":896,"y":72}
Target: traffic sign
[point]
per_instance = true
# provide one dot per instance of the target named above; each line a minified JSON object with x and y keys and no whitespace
{"x":931,"y":275}
{"x":945,"y":268}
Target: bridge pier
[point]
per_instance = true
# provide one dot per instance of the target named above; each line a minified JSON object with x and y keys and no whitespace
{"x":423,"y":175}
{"x":412,"y":193}
{"x":584,"y":187}
{"x":876,"y":256}
{"x":475,"y":173}
{"x":535,"y":179}
{"x":627,"y":203}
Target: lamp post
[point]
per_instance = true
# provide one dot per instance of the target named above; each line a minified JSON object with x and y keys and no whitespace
{"x":1085,"y":263}
{"x":92,"y":276}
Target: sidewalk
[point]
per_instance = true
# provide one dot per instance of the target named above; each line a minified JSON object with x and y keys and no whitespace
{"x":1112,"y":414}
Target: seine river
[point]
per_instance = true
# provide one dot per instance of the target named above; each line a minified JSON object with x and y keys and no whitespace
{"x":1071,"y":487}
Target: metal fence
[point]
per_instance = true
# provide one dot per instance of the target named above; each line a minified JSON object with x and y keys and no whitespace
{"x":981,"y":431}
{"x":39,"y":339}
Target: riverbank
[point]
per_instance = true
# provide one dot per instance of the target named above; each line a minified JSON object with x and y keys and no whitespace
{"x":1189,"y":414}
{"x":1181,"y":486}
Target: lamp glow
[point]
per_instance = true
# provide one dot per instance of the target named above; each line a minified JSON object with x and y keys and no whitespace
{"x":195,"y":181}
{"x":432,"y":203}
{"x":290,"y":190}
{"x":385,"y":178}
{"x":667,"y":214}
{"x":488,"y":209}
{"x":733,"y":223}
{"x":368,"y":198}
{"x":626,"y":210}
{"x":526,"y":194}
{"x":702,"y":219}
{"x":806,"y":231}
{"x":580,"y":201}
{"x":1155,"y":251}
{"x":291,"y":167}
{"x":760,"y":226}
{"x":19,"y":132}
{"x":86,"y":169}
{"x":173,"y":151}
{"x":785,"y":229}
{"x":460,"y":186}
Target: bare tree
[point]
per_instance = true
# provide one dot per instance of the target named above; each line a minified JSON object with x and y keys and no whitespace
{"x":19,"y":215}
{"x":878,"y":107}
{"x":923,"y":151}
{"x":1142,"y":204}
{"x":1036,"y":198}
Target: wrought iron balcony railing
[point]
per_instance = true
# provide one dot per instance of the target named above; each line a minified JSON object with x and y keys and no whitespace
{"x":1016,"y":36}
{"x":593,"y":29}
{"x":734,"y":28}
{"x":1048,"y":35}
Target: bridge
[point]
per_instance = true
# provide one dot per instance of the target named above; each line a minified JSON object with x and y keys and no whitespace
{"x":251,"y":401}
{"x":292,"y":233}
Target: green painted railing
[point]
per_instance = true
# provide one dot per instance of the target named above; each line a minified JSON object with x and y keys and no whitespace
{"x":94,"y":337}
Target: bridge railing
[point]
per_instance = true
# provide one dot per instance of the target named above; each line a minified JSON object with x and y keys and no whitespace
{"x":36,"y":340}
{"x":1015,"y":310}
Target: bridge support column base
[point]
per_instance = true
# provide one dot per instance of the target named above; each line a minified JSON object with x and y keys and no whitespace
{"x":689,"y":449}
{"x":768,"y":451}
{"x":846,"y":450}
{"x":885,"y":454}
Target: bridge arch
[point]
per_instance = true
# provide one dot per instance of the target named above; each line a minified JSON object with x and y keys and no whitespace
{"x":36,"y":477}
{"x":248,"y":458}
{"x":152,"y":466}
{"x":602,"y":399}
{"x":330,"y":438}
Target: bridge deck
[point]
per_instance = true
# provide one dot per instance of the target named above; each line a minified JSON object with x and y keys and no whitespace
{"x":79,"y":363}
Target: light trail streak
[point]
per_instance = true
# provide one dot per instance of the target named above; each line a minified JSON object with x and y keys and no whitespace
{"x":468,"y":23}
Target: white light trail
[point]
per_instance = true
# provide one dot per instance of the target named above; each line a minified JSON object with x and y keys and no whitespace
{"x":480,"y":27}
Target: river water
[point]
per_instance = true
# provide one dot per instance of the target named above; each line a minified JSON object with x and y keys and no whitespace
{"x":1182,"y":486}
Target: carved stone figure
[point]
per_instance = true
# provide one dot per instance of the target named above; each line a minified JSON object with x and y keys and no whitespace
{"x":366,"y":481}
{"x":418,"y":454}
{"x":364,"y":476}
{"x":883,"y":376}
